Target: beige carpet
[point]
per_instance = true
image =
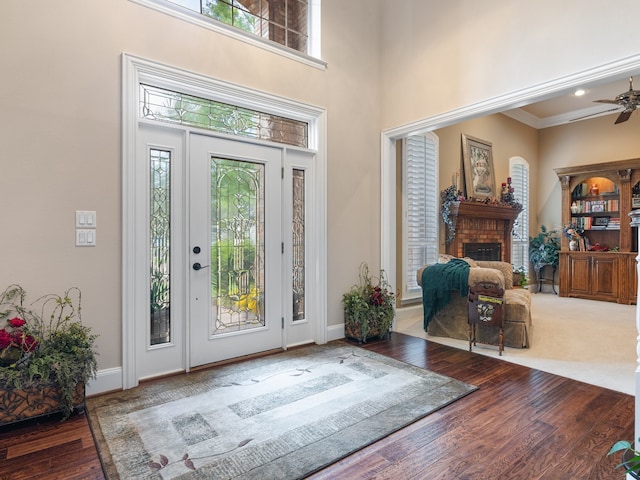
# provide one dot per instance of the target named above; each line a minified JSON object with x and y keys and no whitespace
{"x":594,"y":342}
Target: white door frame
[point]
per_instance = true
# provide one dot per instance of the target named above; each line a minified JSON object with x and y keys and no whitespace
{"x":136,"y":70}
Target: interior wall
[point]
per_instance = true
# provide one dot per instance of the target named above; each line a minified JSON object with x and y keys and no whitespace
{"x":461,"y":54}
{"x":60,"y":131}
{"x":509,"y":138}
{"x":449,"y":54}
{"x":596,"y":140}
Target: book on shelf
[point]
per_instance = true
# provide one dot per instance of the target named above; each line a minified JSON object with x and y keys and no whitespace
{"x":614,"y":224}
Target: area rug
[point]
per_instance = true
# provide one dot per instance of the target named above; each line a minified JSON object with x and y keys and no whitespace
{"x":282,"y":416}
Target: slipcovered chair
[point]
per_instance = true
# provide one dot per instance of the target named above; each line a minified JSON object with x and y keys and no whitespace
{"x":452,"y":320}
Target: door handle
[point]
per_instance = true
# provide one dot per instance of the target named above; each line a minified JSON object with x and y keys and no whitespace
{"x":197,"y":266}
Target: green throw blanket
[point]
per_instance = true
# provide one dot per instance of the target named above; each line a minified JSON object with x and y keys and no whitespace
{"x":437,"y":282}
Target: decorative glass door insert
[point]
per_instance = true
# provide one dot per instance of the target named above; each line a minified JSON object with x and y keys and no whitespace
{"x":298,"y":243}
{"x":160,"y":245}
{"x":237,"y":249}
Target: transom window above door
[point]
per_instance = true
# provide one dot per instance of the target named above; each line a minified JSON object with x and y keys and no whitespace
{"x":293,"y":24}
{"x":174,"y":107}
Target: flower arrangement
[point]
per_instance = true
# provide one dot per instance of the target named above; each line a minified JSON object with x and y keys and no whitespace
{"x":15,"y":341}
{"x":369,"y":307}
{"x":44,"y":343}
{"x":507,"y":196}
{"x":572,"y":232}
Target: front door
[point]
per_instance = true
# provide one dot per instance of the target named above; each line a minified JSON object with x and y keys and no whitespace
{"x":223,"y":257}
{"x":235,"y":248}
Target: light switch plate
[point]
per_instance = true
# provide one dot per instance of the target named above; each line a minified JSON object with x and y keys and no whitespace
{"x":85,"y":237}
{"x":86,"y":219}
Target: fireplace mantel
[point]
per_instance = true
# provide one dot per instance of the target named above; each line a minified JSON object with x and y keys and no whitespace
{"x":477,"y":222}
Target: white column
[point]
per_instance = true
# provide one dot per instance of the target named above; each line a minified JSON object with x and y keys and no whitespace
{"x":635,"y":222}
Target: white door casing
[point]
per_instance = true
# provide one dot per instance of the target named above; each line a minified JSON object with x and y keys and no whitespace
{"x":135,"y":292}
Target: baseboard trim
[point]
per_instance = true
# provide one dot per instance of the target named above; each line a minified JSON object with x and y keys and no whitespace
{"x":107,"y":380}
{"x":335,"y":332}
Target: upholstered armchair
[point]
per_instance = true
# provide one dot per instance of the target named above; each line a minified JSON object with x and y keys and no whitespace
{"x":452,"y":320}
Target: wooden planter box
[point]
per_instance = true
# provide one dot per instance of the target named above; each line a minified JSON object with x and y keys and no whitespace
{"x":17,"y":405}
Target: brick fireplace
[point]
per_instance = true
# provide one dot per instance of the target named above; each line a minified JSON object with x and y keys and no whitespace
{"x":479,"y":227}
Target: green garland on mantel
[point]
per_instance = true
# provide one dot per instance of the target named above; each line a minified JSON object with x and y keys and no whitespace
{"x":448,"y":196}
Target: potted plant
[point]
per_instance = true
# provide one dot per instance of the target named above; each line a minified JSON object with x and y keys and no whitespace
{"x":544,"y":248}
{"x":46,"y":355}
{"x":630,"y":457}
{"x":520,"y":277}
{"x":369,"y":307}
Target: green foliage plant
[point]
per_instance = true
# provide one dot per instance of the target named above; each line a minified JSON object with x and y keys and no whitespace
{"x":64,"y":355}
{"x":631,"y":464}
{"x":369,"y":306}
{"x":544,"y":248}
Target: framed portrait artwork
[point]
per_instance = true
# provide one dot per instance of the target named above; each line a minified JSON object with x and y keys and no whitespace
{"x":479,"y":176}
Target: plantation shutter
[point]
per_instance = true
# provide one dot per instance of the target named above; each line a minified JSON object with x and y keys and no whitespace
{"x":520,"y":236}
{"x":420,"y":209}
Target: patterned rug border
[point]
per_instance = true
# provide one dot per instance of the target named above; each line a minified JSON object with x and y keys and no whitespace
{"x":157,"y":393}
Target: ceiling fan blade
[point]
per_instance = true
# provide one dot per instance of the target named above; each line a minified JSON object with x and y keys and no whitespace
{"x":615,"y":102}
{"x":594,"y":114}
{"x":624,"y":116}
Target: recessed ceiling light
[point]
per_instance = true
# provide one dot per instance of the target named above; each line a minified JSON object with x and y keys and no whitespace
{"x":579,"y":92}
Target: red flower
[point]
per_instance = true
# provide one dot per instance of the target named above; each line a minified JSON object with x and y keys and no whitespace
{"x":17,"y":322}
{"x":28,"y":343}
{"x":377,"y":297}
{"x":5,"y":338}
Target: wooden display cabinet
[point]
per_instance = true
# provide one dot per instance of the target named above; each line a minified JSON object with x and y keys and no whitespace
{"x":598,"y":198}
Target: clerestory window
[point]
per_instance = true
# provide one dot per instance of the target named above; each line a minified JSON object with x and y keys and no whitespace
{"x":285,"y":22}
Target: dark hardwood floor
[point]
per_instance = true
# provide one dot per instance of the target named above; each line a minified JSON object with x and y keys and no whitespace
{"x":520,"y":424}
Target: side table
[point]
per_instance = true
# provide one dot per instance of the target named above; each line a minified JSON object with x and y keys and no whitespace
{"x":540,"y":275}
{"x":486,"y":308}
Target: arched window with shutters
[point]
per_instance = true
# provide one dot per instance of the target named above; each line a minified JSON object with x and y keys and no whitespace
{"x":420,"y":204}
{"x":519,"y":172}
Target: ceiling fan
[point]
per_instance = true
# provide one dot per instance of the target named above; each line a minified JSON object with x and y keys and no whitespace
{"x":630,"y":100}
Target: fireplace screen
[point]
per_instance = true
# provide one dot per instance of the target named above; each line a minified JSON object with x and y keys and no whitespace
{"x":482,"y":251}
